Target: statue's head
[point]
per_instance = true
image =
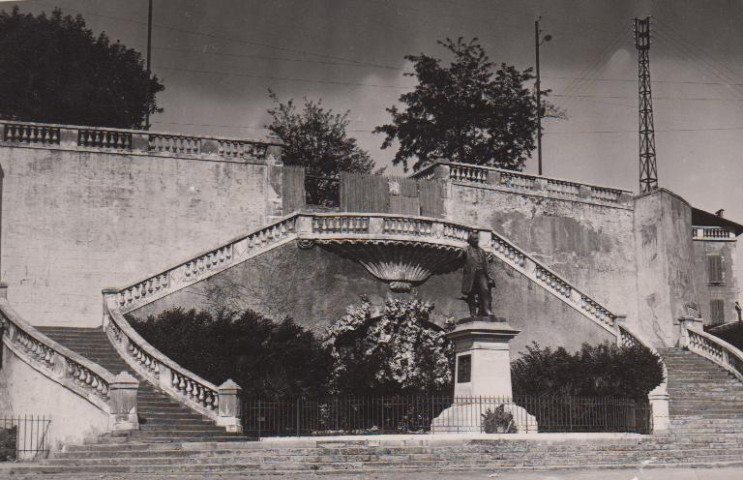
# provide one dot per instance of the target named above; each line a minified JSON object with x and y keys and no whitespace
{"x":473,"y":238}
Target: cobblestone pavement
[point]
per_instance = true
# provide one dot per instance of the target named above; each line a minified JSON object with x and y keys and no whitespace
{"x":722,"y":473}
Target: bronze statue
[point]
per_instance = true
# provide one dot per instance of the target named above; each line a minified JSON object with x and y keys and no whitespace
{"x":477,"y":280}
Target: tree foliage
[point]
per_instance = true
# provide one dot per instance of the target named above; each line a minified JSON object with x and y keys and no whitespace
{"x":604,"y":370}
{"x":55,"y":70}
{"x":267,"y":359}
{"x":399,"y":352}
{"x":464,"y":112}
{"x":316,"y":138}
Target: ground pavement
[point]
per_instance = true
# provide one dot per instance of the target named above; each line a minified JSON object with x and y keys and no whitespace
{"x":640,"y":473}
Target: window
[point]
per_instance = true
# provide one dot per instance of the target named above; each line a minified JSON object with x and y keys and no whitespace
{"x":464,"y":368}
{"x":717,"y":311}
{"x":714,"y":269}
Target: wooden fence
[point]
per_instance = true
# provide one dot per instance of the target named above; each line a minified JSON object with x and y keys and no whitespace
{"x":368,"y":193}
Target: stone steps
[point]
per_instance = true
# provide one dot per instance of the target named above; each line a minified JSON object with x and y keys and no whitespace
{"x":162,"y":419}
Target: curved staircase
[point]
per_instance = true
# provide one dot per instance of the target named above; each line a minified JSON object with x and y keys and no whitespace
{"x":161,"y":418}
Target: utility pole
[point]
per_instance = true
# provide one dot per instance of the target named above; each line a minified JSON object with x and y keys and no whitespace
{"x":149,"y":71}
{"x":648,"y":166}
{"x":538,"y":86}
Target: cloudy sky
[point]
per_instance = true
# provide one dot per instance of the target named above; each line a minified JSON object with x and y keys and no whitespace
{"x":218,"y":58}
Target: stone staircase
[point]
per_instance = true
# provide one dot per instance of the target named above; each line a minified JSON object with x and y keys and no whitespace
{"x":706,"y":430}
{"x":705,"y":399}
{"x":162,"y":419}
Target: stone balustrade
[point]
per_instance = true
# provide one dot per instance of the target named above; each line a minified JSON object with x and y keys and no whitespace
{"x":719,"y":351}
{"x":56,"y":362}
{"x":204,"y":265}
{"x":524,"y":183}
{"x":712,"y":234}
{"x":358,"y":229}
{"x":131,"y":141}
{"x":181,"y":384}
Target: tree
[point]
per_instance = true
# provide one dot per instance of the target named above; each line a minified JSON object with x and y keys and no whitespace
{"x":464,"y":112}
{"x":53,"y":69}
{"x":398,"y":352}
{"x":316,"y":139}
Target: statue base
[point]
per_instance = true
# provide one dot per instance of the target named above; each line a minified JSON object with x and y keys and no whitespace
{"x":482,"y":376}
{"x":466,"y":416}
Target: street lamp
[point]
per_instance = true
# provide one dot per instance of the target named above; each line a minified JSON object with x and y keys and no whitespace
{"x":538,"y":41}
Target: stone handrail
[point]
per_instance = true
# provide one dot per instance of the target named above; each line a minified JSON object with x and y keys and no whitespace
{"x":181,"y":384}
{"x":522,"y":182}
{"x":56,"y":362}
{"x":130,"y":141}
{"x":719,"y":351}
{"x":323,"y":227}
{"x":712,"y":233}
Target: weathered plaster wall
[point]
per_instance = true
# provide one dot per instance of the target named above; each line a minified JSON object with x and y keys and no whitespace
{"x":590,"y":245}
{"x":315,"y":286}
{"x":726,"y":291}
{"x":28,"y":392}
{"x":665,"y":259}
{"x":75,"y":222}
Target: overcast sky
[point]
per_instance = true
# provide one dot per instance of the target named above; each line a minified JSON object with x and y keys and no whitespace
{"x":217,"y":59}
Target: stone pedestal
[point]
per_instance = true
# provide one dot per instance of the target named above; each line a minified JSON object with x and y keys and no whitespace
{"x":230,"y":407}
{"x":688,"y":322}
{"x":122,"y":394}
{"x":482,"y":377}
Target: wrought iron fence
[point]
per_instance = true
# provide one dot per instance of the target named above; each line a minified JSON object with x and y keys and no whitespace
{"x":417,"y":414}
{"x":24,"y":438}
{"x":322,"y":191}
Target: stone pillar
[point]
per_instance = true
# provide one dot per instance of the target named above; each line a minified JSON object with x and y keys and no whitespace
{"x":482,"y":377}
{"x":230,"y":409}
{"x":658,"y":399}
{"x":685,"y":323}
{"x":122,"y":394}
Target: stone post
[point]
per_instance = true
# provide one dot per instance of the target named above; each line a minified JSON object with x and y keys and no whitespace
{"x":230,"y":409}
{"x":122,"y":394}
{"x":482,"y":373}
{"x":442,"y":172}
{"x":68,"y":136}
{"x":658,"y":399}
{"x":685,"y":323}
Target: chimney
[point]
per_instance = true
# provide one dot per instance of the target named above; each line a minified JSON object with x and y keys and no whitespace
{"x":720,"y":213}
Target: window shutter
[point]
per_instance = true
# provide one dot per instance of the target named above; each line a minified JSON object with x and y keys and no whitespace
{"x":717,"y":311}
{"x":714,"y":267}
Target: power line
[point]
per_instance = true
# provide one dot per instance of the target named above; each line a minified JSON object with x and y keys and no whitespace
{"x":283,"y":79}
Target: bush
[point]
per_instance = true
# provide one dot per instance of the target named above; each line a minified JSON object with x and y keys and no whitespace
{"x":8,"y":438}
{"x":498,"y":421}
{"x":267,"y":359}
{"x":604,"y":370}
{"x":397,"y":353}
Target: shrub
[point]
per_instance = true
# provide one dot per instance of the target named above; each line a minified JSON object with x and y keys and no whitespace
{"x":498,"y":421}
{"x":8,"y":438}
{"x":267,"y":359}
{"x":398,"y":352}
{"x":604,"y":370}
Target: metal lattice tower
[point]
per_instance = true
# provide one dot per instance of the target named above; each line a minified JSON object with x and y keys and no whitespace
{"x":648,"y":167}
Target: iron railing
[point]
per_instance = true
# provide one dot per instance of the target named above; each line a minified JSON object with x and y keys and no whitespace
{"x":417,"y":414}
{"x":24,"y":438}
